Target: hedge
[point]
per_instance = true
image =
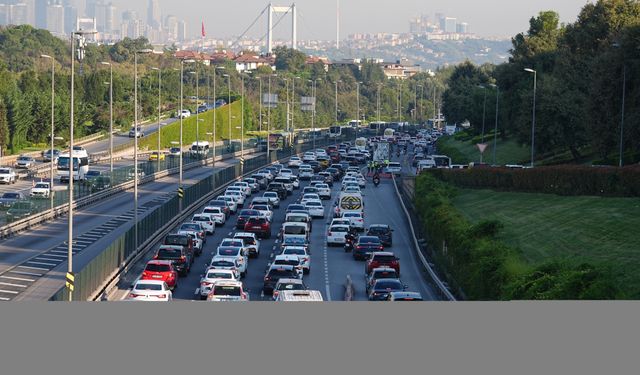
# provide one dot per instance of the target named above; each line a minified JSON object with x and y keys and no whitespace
{"x":487,"y":269}
{"x":561,"y":180}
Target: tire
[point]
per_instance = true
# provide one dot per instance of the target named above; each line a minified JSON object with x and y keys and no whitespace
{"x":202,"y":298}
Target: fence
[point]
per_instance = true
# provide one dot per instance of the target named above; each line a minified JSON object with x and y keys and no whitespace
{"x":116,"y":257}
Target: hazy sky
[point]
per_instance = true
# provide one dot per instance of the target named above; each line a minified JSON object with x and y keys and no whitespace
{"x":503,"y":18}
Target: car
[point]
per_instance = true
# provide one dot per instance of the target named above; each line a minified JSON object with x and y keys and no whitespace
{"x":136,"y":132}
{"x":261,"y":180}
{"x":309,"y":156}
{"x":131,"y":173}
{"x":383,"y":232}
{"x":286,"y":182}
{"x":99,"y":183}
{"x":48,"y":155}
{"x":295,"y":241}
{"x":202,"y":108}
{"x":284,"y":172}
{"x":298,"y":217}
{"x":228,"y":291}
{"x":251,"y":243}
{"x":222,"y":204}
{"x":253,"y":184}
{"x":340,"y":221}
{"x":357,"y":221}
{"x":20,"y":210}
{"x":315,"y":208}
{"x":291,"y":260}
{"x":324,"y":191}
{"x":336,"y":234}
{"x":279,"y":188}
{"x":379,"y":273}
{"x":178,"y":255}
{"x":264,"y":211}
{"x":309,"y":197}
{"x":404,"y":296}
{"x":305,"y":174}
{"x":222,"y":263}
{"x":237,"y":195}
{"x":315,"y":165}
{"x":25,"y":162}
{"x":393,"y":168}
{"x":277,"y":272}
{"x":8,"y":199}
{"x":294,"y":162}
{"x":274,"y":198}
{"x":294,"y":207}
{"x":244,"y":216}
{"x":214,"y":275}
{"x":183,"y":114}
{"x":216,"y":213}
{"x":231,"y":203}
{"x":40,"y":190}
{"x":236,"y":254}
{"x":288,"y":284}
{"x":175,"y":152}
{"x":309,"y":190}
{"x":382,"y":259}
{"x":150,"y":290}
{"x":382,"y":287}
{"x":183,"y":240}
{"x":161,"y":270}
{"x":365,"y":245}
{"x":261,"y":226}
{"x":156,"y":156}
{"x":8,"y":176}
{"x":207,"y":221}
{"x":248,"y":190}
{"x":194,"y":229}
{"x":301,"y":253}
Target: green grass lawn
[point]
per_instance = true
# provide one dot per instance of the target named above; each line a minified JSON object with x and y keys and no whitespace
{"x":507,"y":152}
{"x":596,"y":230}
{"x":171,"y":132}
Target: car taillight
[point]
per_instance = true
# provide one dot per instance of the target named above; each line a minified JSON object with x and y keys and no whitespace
{"x":267,"y":278}
{"x":275,"y":293}
{"x":205,"y":283}
{"x":183,"y":258}
{"x":134,"y":295}
{"x":359,"y":247}
{"x":381,"y":247}
{"x":161,"y":296}
{"x":144,"y":274}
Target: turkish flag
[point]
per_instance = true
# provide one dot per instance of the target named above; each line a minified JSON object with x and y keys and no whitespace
{"x":203,"y":33}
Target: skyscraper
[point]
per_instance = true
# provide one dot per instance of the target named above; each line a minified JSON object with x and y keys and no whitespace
{"x":182,"y":31}
{"x":153,"y":14}
{"x":90,"y":8}
{"x":5,"y":13}
{"x":450,"y":25}
{"x":55,"y":19}
{"x":110,"y":18}
{"x":18,"y":14}
{"x":70,"y":17}
{"x":41,"y":13}
{"x":171,"y":26}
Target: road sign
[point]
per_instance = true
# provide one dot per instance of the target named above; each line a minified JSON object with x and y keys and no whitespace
{"x":70,"y":279}
{"x":270,"y":100}
{"x":241,"y":160}
{"x":307,"y":103}
{"x":482,"y":147}
{"x":180,"y":193}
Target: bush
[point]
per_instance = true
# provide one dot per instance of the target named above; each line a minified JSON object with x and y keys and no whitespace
{"x":561,"y":180}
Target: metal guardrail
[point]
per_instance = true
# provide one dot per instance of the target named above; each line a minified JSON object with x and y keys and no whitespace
{"x":444,"y":291}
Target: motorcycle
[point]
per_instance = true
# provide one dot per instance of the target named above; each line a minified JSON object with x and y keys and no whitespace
{"x":348,"y":245}
{"x":376,"y":181}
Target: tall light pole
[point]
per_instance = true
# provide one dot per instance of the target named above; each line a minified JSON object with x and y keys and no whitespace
{"x":378,"y":108}
{"x":269,"y":120}
{"x":495,"y":130}
{"x":336,"y":100}
{"x":81,"y":34}
{"x":260,"y":103}
{"x":159,"y":109}
{"x":53,"y":97}
{"x":357,"y":111}
{"x":242,"y":124}
{"x":624,"y":89}
{"x":110,"y":115}
{"x":229,"y":106}
{"x":197,"y":104}
{"x":533,"y":121}
{"x":215,"y":100}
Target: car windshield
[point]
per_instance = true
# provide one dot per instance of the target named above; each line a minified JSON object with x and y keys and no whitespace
{"x":261,"y":208}
{"x":222,"y":263}
{"x":5,"y":171}
{"x":218,"y":203}
{"x":226,"y":290}
{"x":294,"y":251}
{"x":232,"y":242}
{"x":295,"y":229}
{"x":219,"y":275}
{"x":190,"y":227}
{"x":290,"y":286}
{"x":314,"y":204}
{"x":41,"y":186}
{"x":294,"y":241}
{"x":378,"y":230}
{"x":229,"y":251}
{"x":176,"y":240}
{"x":271,"y":195}
{"x":339,"y":229}
{"x":249,"y":213}
{"x":169,"y":254}
{"x":147,"y":286}
{"x":248,"y":240}
{"x":281,"y":273}
{"x":392,"y":284}
{"x":288,"y":262}
{"x":158,"y":267}
{"x":384,"y":275}
{"x":374,"y":240}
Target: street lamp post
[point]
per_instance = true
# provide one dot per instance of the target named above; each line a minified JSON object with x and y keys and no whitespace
{"x":53,"y":93}
{"x":495,"y":130}
{"x":110,"y":115}
{"x":215,"y":100}
{"x":159,"y":109}
{"x":624,"y":89}
{"x":260,"y":103}
{"x":357,"y":111}
{"x":197,"y":105}
{"x":533,"y":121}
{"x":229,"y":106}
{"x":242,"y":125}
{"x":378,"y":108}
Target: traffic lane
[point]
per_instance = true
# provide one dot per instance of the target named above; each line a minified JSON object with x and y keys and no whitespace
{"x":381,"y":207}
{"x":18,"y":248}
{"x":119,"y":139}
{"x":253,"y":281}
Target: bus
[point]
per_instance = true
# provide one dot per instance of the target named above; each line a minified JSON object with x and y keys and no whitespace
{"x":377,"y":127}
{"x":335,"y":131}
{"x":80,"y":164}
{"x":355,"y":123}
{"x":280,"y":141}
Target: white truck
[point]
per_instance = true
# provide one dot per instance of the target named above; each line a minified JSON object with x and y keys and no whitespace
{"x":361,"y":144}
{"x":381,"y":152}
{"x":300,"y":296}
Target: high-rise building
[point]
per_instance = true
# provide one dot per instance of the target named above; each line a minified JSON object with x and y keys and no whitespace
{"x":5,"y":13}
{"x":90,"y":8}
{"x":440,"y":18}
{"x":171,"y":26}
{"x":153,"y":14}
{"x":110,"y":18}
{"x":18,"y":14}
{"x":450,"y":25}
{"x":182,"y":31}
{"x":41,"y":13}
{"x":99,"y":12}
{"x":55,"y":19}
{"x":462,"y":28}
{"x":31,"y":10}
{"x":70,"y":17}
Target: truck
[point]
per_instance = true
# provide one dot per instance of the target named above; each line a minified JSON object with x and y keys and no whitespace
{"x":299,"y":296}
{"x":381,"y":151}
{"x":350,"y":202}
{"x":361,"y":143}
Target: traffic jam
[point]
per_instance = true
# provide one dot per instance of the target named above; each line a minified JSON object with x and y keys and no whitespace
{"x":260,"y":235}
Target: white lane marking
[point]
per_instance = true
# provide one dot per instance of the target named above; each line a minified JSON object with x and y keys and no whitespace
{"x":8,"y":291}
{"x":55,"y":256}
{"x":16,"y":285}
{"x":27,"y":273}
{"x":17,"y":278}
{"x":47,"y":259}
{"x":326,"y":274}
{"x":230,"y":234}
{"x":59,"y":251}
{"x":197,"y":291}
{"x":5,"y":299}
{"x":41,"y":263}
{"x":35,"y":268}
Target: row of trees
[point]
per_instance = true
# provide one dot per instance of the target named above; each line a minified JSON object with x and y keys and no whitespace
{"x":581,"y":68}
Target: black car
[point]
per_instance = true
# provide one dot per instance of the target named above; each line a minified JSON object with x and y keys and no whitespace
{"x":261,"y":180}
{"x":277,"y":272}
{"x":222,"y":205}
{"x":381,"y":288}
{"x":315,"y":165}
{"x":180,"y":258}
{"x":379,"y":273}
{"x":183,"y":240}
{"x":244,"y":216}
{"x":365,"y":245}
{"x":279,"y":188}
{"x":328,"y":178}
{"x":383,"y":232}
{"x":335,"y":173}
{"x":8,"y":199}
{"x":20,"y":210}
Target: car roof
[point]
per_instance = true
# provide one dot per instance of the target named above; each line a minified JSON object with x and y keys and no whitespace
{"x":383,"y":269}
{"x":290,"y":281}
{"x":156,"y":282}
{"x":383,"y":253}
{"x":378,"y":226}
{"x":406,"y":294}
{"x":244,"y":234}
{"x":229,"y":283}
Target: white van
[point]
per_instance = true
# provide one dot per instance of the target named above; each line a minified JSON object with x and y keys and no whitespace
{"x":300,"y":296}
{"x":299,"y":218}
{"x":295,"y":230}
{"x":199,"y":148}
{"x":350,"y":202}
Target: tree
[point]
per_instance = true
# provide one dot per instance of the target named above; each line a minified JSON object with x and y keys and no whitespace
{"x":4,"y":127}
{"x":289,"y":59}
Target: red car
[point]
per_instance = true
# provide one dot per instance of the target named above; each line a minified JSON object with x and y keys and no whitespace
{"x":382,"y":259}
{"x":258,"y":225}
{"x":161,"y":270}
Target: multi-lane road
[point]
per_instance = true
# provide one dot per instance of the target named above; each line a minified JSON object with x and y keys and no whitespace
{"x":330,"y":266}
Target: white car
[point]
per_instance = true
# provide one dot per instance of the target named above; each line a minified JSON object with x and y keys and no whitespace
{"x":305,"y":174}
{"x":216,"y":213}
{"x":8,"y":176}
{"x":273,"y":198}
{"x":336,"y":234}
{"x":309,"y":197}
{"x":184,"y":114}
{"x":301,"y":253}
{"x":231,"y":202}
{"x":251,"y":243}
{"x":238,"y":259}
{"x":309,"y":156}
{"x":237,"y":195}
{"x":207,"y":221}
{"x":286,"y":181}
{"x":40,"y":190}
{"x":393,"y":167}
{"x":150,"y":290}
{"x":264,"y":211}
{"x":296,"y":182}
{"x":294,"y":162}
{"x":228,"y":291}
{"x":357,"y":221}
{"x":350,"y":184}
{"x":214,"y":275}
{"x":315,"y":208}
{"x":324,"y":191}
{"x":340,"y":221}
{"x":289,"y":260}
{"x":243,"y":185}
{"x":286,"y":173}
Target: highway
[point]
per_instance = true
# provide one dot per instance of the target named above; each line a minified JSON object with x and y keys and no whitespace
{"x":329,"y":265}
